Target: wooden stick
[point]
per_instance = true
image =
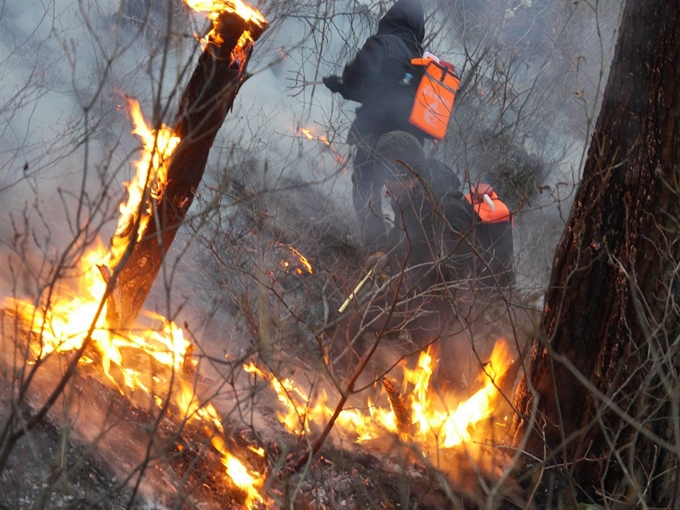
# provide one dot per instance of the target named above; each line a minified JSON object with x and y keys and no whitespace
{"x":354,"y":292}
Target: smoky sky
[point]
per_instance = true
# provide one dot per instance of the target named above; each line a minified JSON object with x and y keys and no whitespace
{"x":66,"y":67}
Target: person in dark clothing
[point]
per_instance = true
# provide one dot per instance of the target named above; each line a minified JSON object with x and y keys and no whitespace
{"x":429,"y":254}
{"x":444,"y":178}
{"x":433,"y":223}
{"x":378,"y":78}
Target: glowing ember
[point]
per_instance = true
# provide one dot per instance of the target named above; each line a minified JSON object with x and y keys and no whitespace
{"x":238,"y":53}
{"x":431,"y":415}
{"x":214,"y":8}
{"x":301,"y":259}
{"x":309,"y":135}
{"x":147,"y":183}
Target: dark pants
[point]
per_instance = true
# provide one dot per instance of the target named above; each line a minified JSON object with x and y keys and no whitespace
{"x":368,"y":182}
{"x":367,"y":196}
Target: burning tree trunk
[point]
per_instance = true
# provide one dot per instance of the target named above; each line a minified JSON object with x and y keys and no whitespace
{"x":208,"y":97}
{"x":603,"y":372}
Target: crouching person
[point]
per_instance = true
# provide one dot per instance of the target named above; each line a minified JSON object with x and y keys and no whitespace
{"x":427,"y":262}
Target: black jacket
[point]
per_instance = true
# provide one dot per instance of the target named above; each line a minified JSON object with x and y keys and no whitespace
{"x":375,"y":77}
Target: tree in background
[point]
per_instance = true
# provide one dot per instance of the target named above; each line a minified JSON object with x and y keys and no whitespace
{"x":600,"y":395}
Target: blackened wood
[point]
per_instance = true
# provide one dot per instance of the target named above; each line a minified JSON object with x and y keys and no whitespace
{"x":619,"y":250}
{"x":207,"y":98}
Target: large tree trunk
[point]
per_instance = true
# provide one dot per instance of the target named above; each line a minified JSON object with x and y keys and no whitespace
{"x":603,"y":371}
{"x":207,"y":98}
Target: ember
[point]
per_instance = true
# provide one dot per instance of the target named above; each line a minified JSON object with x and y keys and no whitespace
{"x":309,"y":135}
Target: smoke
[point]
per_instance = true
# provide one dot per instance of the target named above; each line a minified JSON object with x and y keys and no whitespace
{"x":532,"y":74}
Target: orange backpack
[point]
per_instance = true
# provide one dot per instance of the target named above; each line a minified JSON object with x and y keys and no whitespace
{"x":435,"y":97}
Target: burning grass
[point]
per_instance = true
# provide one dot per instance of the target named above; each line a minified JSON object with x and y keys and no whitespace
{"x":150,"y":372}
{"x":432,"y":420}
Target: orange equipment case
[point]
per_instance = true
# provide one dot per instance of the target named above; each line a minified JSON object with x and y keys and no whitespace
{"x":435,"y":97}
{"x":496,"y":213}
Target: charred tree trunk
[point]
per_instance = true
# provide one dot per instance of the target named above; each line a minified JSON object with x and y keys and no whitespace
{"x":207,"y":98}
{"x":603,"y":371}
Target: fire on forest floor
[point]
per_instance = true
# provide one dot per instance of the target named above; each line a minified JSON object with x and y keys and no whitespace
{"x":108,"y":436}
{"x":188,"y":454}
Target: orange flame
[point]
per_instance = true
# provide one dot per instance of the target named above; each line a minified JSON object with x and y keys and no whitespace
{"x":62,"y":323}
{"x":214,"y":8}
{"x":303,"y":260}
{"x":309,"y":135}
{"x":63,"y":326}
{"x":147,"y":184}
{"x":432,"y":418}
{"x":250,"y":482}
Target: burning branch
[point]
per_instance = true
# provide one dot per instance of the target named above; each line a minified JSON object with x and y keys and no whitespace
{"x":401,"y":411}
{"x":208,"y":97}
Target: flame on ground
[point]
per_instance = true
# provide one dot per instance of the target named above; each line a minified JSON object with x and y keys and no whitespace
{"x":448,"y":421}
{"x":62,"y":323}
{"x":304,"y":262}
{"x":249,"y":481}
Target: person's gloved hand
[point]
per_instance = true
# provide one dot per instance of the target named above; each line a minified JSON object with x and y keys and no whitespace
{"x":333,"y":83}
{"x":377,"y":262}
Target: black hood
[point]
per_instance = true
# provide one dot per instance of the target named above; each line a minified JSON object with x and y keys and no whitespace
{"x":405,"y":19}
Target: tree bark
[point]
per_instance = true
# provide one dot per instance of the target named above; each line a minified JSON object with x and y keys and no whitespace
{"x":610,"y":307}
{"x":207,"y":98}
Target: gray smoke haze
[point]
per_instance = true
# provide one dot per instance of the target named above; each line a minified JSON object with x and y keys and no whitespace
{"x":532,"y":74}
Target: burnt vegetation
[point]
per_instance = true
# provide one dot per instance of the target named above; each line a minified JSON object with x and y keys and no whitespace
{"x":263,"y":272}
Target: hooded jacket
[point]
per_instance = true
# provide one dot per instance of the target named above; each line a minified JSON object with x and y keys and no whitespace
{"x":375,"y":78}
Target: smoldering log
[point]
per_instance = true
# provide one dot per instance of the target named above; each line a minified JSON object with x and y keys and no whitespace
{"x":208,"y":97}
